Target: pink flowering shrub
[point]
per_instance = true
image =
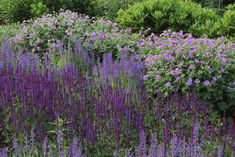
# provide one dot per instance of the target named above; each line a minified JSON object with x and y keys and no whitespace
{"x":179,"y":62}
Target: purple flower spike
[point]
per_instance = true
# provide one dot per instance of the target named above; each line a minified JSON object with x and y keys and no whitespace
{"x":153,"y":146}
{"x":128,"y":154}
{"x":60,"y":143}
{"x":142,"y":144}
{"x":220,"y":151}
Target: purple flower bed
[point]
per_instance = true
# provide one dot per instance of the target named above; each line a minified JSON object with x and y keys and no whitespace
{"x":105,"y":105}
{"x":113,"y":93}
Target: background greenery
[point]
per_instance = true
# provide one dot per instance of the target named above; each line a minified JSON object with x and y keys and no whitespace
{"x":178,"y":15}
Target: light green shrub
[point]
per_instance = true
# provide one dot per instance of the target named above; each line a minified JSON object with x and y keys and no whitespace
{"x":177,"y":15}
{"x":228,"y":22}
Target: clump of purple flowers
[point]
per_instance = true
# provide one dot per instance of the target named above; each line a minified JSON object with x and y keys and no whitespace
{"x":39,"y":92}
{"x":176,"y":55}
{"x":51,"y":31}
{"x":177,"y":61}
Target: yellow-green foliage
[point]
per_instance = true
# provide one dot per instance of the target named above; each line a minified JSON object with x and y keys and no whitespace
{"x":7,"y":31}
{"x":228,"y":21}
{"x":177,"y":15}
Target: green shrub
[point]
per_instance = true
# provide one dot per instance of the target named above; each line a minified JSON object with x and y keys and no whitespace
{"x":227,"y":23}
{"x":81,"y":6}
{"x":19,"y":10}
{"x":15,"y":10}
{"x":38,"y":9}
{"x":176,"y":15}
{"x":109,"y":8}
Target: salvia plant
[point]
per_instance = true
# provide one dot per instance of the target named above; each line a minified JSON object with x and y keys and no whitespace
{"x":104,"y":105}
{"x":34,"y":93}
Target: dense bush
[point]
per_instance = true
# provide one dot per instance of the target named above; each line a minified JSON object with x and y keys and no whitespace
{"x":227,"y":23}
{"x":182,"y":63}
{"x":179,"y":15}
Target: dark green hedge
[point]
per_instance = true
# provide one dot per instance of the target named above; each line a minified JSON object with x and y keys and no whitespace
{"x":19,"y":10}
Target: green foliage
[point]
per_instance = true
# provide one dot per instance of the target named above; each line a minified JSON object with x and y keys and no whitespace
{"x":38,"y":9}
{"x":176,"y":15}
{"x":83,"y":6}
{"x":8,"y":31}
{"x":109,"y":8}
{"x":214,"y":3}
{"x":15,"y":10}
{"x":19,"y":10}
{"x":228,"y":22}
